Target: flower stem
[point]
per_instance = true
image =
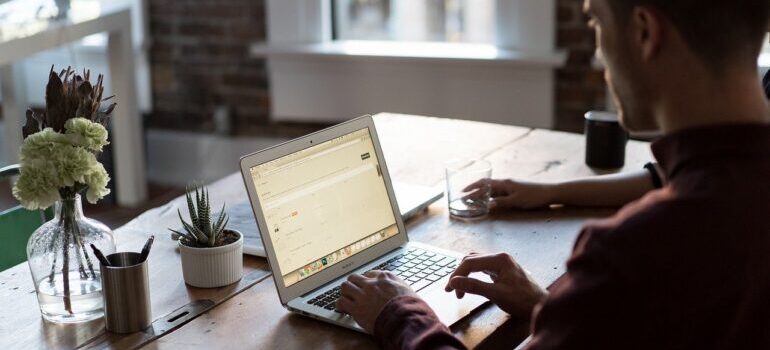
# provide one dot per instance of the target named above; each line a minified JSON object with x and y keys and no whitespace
{"x":76,"y":241}
{"x":80,"y":248}
{"x":81,"y":269}
{"x":66,"y":262}
{"x":53,"y":265}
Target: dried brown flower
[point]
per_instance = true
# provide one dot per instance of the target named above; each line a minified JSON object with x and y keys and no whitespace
{"x":69,"y":95}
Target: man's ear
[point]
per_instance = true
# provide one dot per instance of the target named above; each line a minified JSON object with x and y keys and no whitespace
{"x":646,"y":32}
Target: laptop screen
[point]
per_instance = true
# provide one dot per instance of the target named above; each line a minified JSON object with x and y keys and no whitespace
{"x":324,"y":204}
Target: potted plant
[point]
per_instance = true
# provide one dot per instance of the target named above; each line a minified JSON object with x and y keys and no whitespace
{"x":59,"y":161}
{"x":212,"y":254}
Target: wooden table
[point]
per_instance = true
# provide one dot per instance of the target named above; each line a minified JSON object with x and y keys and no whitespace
{"x":36,"y":35}
{"x":249,"y":315}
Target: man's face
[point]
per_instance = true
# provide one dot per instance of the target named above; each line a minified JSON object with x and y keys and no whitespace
{"x":628,"y":83}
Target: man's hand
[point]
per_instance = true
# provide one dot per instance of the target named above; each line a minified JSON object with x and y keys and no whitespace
{"x":512,"y":290}
{"x":509,"y":194}
{"x":363,"y":297}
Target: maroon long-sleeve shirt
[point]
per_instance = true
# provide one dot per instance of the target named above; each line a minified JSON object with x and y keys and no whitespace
{"x":685,"y":267}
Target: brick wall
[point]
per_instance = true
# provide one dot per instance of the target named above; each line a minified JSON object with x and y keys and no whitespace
{"x":199,"y":61}
{"x":579,"y":87}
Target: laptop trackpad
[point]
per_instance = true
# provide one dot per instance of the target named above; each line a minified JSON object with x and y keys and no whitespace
{"x":447,"y":307}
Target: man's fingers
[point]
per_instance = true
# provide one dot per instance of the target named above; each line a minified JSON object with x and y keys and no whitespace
{"x":478,"y":184}
{"x":358,"y":280}
{"x":476,"y":193}
{"x":460,"y":294}
{"x":345,"y":304}
{"x":350,"y":290}
{"x":479,"y":263}
{"x":506,"y":202}
{"x":500,"y":188}
{"x":492,"y":274}
{"x":380,"y":274}
{"x":473,"y":286}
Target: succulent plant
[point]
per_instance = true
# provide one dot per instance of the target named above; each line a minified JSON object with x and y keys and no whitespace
{"x":201,"y":231}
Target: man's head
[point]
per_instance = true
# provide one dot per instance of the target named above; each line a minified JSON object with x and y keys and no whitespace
{"x":651,"y":48}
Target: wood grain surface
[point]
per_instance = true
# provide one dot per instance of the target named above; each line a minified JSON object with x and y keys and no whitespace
{"x":415,"y":150}
{"x":21,"y":326}
{"x":250,"y":316}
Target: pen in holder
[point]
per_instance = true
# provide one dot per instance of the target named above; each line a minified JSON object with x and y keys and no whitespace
{"x":126,"y":292}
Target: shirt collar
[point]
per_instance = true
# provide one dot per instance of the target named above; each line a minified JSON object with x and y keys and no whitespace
{"x":679,"y":149}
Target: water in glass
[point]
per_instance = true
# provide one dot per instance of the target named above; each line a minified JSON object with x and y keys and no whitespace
{"x":468,"y":190}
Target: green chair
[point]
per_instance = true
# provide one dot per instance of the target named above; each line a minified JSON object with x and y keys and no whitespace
{"x":16,"y":225}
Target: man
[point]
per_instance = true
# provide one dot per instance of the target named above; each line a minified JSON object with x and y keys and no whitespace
{"x":685,"y":266}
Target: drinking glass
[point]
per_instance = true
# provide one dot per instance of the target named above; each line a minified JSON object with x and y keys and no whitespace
{"x":468,"y":188}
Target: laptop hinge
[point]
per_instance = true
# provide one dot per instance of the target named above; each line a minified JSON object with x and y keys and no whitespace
{"x":325,"y":285}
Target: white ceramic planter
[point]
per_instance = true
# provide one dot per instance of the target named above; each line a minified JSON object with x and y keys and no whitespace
{"x":213,"y":267}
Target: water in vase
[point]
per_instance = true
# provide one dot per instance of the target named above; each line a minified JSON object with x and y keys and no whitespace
{"x":85,"y":298}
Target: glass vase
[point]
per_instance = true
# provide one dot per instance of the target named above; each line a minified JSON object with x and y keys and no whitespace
{"x":64,"y":269}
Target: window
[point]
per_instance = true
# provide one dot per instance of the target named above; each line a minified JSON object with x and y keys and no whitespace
{"x":478,"y":48}
{"x":24,"y":18}
{"x":459,"y":21}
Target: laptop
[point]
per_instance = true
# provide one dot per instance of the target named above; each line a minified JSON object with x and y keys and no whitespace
{"x":412,"y":199}
{"x":326,"y":208}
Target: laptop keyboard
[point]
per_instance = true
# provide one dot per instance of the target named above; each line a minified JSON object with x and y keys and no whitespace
{"x":419,"y":268}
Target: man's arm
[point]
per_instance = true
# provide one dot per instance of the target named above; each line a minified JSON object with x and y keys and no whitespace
{"x":591,"y":306}
{"x":603,"y":191}
{"x":599,"y":191}
{"x":385,"y":306}
{"x":407,"y":322}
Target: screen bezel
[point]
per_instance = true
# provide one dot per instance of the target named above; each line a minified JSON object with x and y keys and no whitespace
{"x":287,"y":293}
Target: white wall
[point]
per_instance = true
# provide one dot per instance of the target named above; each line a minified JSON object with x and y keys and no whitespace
{"x":334,"y":90}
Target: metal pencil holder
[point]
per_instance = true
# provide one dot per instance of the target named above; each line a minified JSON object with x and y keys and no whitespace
{"x":126,"y":293}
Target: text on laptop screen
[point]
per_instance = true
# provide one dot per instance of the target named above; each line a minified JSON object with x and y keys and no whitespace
{"x":324,"y":204}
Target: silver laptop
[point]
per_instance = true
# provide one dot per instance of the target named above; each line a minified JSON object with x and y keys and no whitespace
{"x":326,"y":207}
{"x":412,"y":200}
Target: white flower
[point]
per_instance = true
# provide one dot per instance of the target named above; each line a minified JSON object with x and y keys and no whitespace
{"x":42,"y":144}
{"x":73,"y":164}
{"x":38,"y":185}
{"x":85,"y":133}
{"x":51,"y":161}
{"x":97,"y":181}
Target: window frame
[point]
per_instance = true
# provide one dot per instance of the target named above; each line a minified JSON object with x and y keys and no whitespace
{"x":521,"y":25}
{"x":337,"y":16}
{"x":310,"y":73}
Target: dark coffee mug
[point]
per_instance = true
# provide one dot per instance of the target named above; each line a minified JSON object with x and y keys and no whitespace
{"x":605,"y":140}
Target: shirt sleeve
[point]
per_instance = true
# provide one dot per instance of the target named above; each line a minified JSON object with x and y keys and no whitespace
{"x":589,"y":308}
{"x":408,"y":323}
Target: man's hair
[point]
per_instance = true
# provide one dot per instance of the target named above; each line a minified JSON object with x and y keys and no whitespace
{"x":718,"y":31}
